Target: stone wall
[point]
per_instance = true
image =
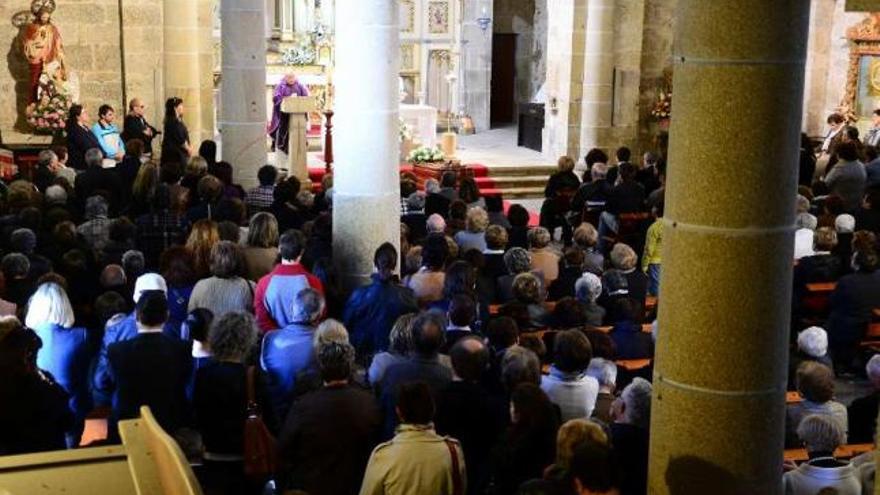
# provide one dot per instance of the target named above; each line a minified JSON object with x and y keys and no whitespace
{"x":90,"y":31}
{"x":656,"y":64}
{"x":629,"y":23}
{"x":518,"y":16}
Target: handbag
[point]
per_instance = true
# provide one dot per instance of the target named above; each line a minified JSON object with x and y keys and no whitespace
{"x":457,"y":484}
{"x":260,"y":458}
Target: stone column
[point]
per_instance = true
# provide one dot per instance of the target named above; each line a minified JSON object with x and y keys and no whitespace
{"x":718,"y":414}
{"x":476,"y":60}
{"x":598,"y":75}
{"x":565,"y":71}
{"x":207,"y":91}
{"x":182,"y":44}
{"x":243,"y":118}
{"x":366,"y":200}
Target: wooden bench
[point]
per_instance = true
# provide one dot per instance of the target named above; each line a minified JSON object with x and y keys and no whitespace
{"x":793,"y":397}
{"x":629,"y":364}
{"x":842,"y":452}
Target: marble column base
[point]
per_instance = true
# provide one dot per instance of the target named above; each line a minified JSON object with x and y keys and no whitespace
{"x":356,"y":237}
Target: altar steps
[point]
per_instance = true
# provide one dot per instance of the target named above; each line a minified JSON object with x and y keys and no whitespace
{"x":515,"y":181}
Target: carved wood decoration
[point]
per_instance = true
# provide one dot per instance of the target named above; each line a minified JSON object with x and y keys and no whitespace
{"x":864,"y":39}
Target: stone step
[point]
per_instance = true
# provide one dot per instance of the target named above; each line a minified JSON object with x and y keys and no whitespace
{"x":509,"y":181}
{"x":521,"y":170}
{"x":522,"y":192}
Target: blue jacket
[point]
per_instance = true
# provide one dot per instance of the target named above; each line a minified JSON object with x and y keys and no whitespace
{"x":66,"y":354}
{"x":371,"y":312}
{"x":125,"y":329}
{"x":106,"y":136}
{"x":285,"y":354}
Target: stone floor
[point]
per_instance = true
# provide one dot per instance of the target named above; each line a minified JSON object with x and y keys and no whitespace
{"x":497,"y":147}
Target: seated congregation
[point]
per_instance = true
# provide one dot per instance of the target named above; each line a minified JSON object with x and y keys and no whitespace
{"x":500,"y":360}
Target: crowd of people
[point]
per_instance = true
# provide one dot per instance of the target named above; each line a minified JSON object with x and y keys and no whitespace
{"x":486,"y":356}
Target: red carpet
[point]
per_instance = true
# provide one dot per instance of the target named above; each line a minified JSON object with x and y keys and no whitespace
{"x":481,"y":176}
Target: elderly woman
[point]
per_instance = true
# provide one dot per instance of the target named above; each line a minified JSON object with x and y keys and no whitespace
{"x":587,"y":290}
{"x":474,"y":237}
{"x":624,"y":260}
{"x":821,"y":436}
{"x":427,"y":283}
{"x":65,"y":353}
{"x":543,"y":259}
{"x":517,"y":260}
{"x":605,"y":372}
{"x":585,"y":238}
{"x":629,"y":434}
{"x":400,"y":345}
{"x":220,"y":404}
{"x":226,"y":290}
{"x":567,"y":385}
{"x":527,"y":304}
{"x":812,"y":345}
{"x":815,"y":383}
{"x":261,"y":251}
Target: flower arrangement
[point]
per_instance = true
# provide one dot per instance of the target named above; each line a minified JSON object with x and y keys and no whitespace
{"x":48,"y":113}
{"x":404,"y":131}
{"x":301,"y":54}
{"x":662,"y":109}
{"x":424,"y":154}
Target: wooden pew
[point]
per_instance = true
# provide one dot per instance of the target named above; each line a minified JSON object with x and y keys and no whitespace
{"x":793,"y":397}
{"x":842,"y":452}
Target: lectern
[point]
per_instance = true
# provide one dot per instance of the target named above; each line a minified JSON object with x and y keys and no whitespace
{"x":298,"y":107}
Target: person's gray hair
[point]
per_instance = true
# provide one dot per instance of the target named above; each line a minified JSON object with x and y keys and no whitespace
{"x":232,"y":336}
{"x":802,"y":204}
{"x":329,"y":330}
{"x":519,"y":365}
{"x":845,"y":224}
{"x":96,"y":206}
{"x":821,"y":433}
{"x":46,"y":157}
{"x":539,"y":237}
{"x":599,"y":171}
{"x":56,"y":194}
{"x":604,"y":371}
{"x":432,"y":186}
{"x":651,"y":158}
{"x":623,"y":257}
{"x":806,"y":221}
{"x":416,"y":201}
{"x":435,"y":224}
{"x":49,"y":304}
{"x":308,"y":305}
{"x":873,"y":369}
{"x":133,"y":262}
{"x":94,"y":157}
{"x":813,"y":341}
{"x":517,"y":260}
{"x":588,"y":288}
{"x":637,"y":398}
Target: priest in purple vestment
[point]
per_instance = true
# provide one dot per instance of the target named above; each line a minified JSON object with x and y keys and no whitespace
{"x":280,"y":125}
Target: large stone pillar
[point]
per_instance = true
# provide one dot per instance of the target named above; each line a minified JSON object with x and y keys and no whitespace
{"x":718,"y":415}
{"x":366,"y":200}
{"x":565,"y":72}
{"x":598,"y":75}
{"x":182,"y":77}
{"x":476,"y":63}
{"x":243,"y":89}
{"x":207,"y":91}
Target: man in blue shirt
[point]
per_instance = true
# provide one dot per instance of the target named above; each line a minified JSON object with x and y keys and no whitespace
{"x":108,"y":134}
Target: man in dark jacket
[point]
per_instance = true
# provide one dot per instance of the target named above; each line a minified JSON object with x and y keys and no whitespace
{"x":96,"y":179}
{"x":862,"y":413}
{"x":466,"y":411}
{"x":330,"y":431}
{"x":629,"y":435}
{"x":424,"y":366}
{"x":136,"y":126}
{"x":372,"y":310}
{"x":151,"y":369}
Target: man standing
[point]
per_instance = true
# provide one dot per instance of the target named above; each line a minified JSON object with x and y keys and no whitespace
{"x":872,"y":138}
{"x":108,"y":134}
{"x":137,"y":127}
{"x":279,"y":127}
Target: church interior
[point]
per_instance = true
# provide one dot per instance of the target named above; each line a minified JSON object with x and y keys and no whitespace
{"x":280,"y":247}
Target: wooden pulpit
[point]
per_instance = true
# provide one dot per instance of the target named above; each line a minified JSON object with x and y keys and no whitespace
{"x":298,"y":107}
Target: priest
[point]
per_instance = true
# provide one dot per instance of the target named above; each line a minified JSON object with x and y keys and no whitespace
{"x":280,"y":125}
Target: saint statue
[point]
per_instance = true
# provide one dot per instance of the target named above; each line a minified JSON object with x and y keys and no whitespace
{"x":41,"y":44}
{"x":279,"y":127}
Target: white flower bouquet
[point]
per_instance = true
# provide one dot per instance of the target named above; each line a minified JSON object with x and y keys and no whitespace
{"x":424,"y":154}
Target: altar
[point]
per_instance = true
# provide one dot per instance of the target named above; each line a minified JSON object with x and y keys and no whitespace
{"x":422,"y":119}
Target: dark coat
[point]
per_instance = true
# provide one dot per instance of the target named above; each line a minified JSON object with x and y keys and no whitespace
{"x":371,"y":312}
{"x":428,"y":370}
{"x":852,"y":301}
{"x":39,"y":418}
{"x":79,"y":140}
{"x":631,"y":342}
{"x":630,"y":445}
{"x":327,"y":439}
{"x":152,"y":370}
{"x":862,"y":417}
{"x":97,"y":179}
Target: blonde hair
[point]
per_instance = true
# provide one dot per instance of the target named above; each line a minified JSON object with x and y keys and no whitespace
{"x":197,"y":166}
{"x":539,"y":237}
{"x":573,"y":434}
{"x":565,"y":163}
{"x":477,"y":220}
{"x":146,"y":181}
{"x":203,"y":237}
{"x":586,"y":235}
{"x":49,"y":304}
{"x":328,"y":331}
{"x":623,"y":257}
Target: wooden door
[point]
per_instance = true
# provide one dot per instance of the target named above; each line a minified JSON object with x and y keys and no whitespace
{"x":503,"y":92}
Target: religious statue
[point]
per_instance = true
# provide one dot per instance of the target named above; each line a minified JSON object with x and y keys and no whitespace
{"x":41,"y":44}
{"x":280,"y":124}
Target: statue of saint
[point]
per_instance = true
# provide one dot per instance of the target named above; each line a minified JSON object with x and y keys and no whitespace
{"x":41,"y":44}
